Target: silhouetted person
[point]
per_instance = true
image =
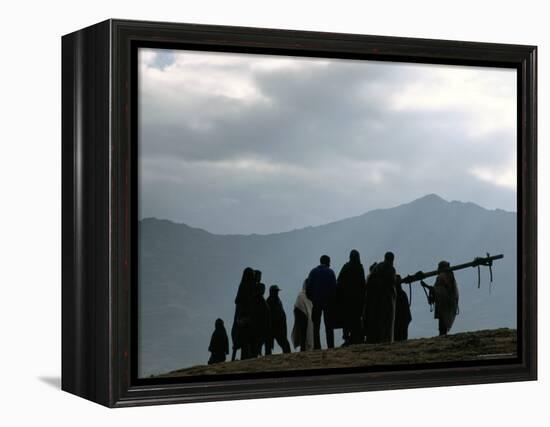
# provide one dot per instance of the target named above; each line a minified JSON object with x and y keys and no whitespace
{"x":369,"y":300}
{"x":444,"y":294}
{"x":402,"y":313}
{"x":261,"y":321}
{"x":351,"y":289}
{"x":379,"y":313}
{"x":242,"y":321}
{"x":219,"y":344}
{"x":257,"y":276}
{"x":302,"y":332}
{"x":278,"y":321}
{"x":321,"y":289}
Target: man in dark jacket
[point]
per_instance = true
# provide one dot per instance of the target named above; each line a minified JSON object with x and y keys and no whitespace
{"x":402,"y":313}
{"x":278,"y":321}
{"x":219,"y":344}
{"x":321,"y":289}
{"x":351,"y":290}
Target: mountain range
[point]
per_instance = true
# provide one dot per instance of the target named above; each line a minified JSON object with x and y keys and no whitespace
{"x":188,"y":277}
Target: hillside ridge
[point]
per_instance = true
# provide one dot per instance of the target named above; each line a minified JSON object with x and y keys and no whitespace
{"x":467,"y":346}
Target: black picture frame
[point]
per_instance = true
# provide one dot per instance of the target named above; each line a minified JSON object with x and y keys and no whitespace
{"x":99,"y":210}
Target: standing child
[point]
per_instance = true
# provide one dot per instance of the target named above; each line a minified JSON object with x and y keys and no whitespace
{"x":219,"y":344}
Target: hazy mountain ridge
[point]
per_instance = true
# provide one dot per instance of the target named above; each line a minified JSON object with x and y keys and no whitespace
{"x":427,"y":199}
{"x":189,"y":276}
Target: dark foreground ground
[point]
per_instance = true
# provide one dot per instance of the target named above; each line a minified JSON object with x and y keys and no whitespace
{"x":479,"y":345}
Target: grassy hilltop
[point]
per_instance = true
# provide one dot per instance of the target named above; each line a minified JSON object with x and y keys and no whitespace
{"x":479,"y":345}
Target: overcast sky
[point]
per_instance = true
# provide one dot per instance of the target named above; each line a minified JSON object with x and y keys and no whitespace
{"x":237,"y":143}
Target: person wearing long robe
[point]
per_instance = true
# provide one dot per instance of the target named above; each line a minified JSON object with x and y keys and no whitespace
{"x":351,"y":292}
{"x":219,"y":343}
{"x":369,"y":300}
{"x":278,"y":321}
{"x":444,"y":295}
{"x":379,"y":312}
{"x":302,"y":332}
{"x":261,"y":322}
{"x":402,"y":313}
{"x":242,"y":321}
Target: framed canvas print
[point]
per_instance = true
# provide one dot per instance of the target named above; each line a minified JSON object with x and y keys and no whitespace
{"x":257,"y":213}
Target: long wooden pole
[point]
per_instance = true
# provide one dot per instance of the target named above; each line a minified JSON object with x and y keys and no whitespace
{"x":485,"y":261}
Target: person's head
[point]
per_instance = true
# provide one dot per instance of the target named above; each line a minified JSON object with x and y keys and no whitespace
{"x":219,"y":323}
{"x":248,"y":275}
{"x":443,"y":266}
{"x":372,"y":266}
{"x":274,"y":291}
{"x":261,"y":289}
{"x":325,"y":260}
{"x":354,"y":256}
{"x":257,"y":276}
{"x":388,"y":258}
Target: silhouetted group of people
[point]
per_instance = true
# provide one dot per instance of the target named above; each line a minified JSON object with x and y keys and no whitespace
{"x":258,"y":323}
{"x":369,"y":309}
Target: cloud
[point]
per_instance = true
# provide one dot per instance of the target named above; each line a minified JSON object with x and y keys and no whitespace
{"x":238,"y":143}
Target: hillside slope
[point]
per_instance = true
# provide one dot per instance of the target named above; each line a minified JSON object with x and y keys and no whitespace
{"x":479,"y":345}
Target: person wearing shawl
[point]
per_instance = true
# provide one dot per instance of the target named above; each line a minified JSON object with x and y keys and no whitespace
{"x":444,"y":294}
{"x":261,"y":322}
{"x":278,"y":321}
{"x":240,"y":331}
{"x":402,"y":313}
{"x":302,"y":332}
{"x":351,"y":292}
{"x":219,"y":344}
{"x":379,"y":314}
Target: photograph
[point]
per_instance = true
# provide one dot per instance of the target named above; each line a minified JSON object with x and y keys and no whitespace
{"x":240,"y":213}
{"x":298,"y":213}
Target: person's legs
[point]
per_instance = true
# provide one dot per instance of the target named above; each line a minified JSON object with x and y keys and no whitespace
{"x":355,"y":331}
{"x":442,"y":328}
{"x":346,"y":335}
{"x":245,"y":354}
{"x":269,"y":344}
{"x":283,"y":343}
{"x":303,"y":333}
{"x":316,"y":318}
{"x":328,"y":330}
{"x":258,"y":344}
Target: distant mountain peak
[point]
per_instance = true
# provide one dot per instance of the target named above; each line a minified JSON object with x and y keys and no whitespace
{"x":430,"y":198}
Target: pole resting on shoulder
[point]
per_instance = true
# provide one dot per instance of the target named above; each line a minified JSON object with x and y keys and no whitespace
{"x":477,"y":262}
